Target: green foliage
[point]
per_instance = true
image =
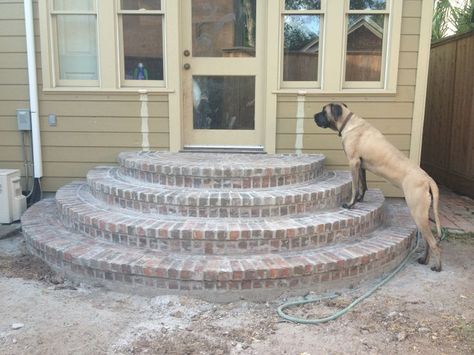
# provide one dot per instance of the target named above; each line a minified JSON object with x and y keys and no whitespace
{"x":440,"y":19}
{"x":461,"y":18}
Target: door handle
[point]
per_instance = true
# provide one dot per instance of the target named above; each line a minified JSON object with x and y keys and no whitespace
{"x":187,"y":66}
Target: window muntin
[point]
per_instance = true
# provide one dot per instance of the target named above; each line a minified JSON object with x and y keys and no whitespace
{"x":366,"y":38}
{"x":302,"y":34}
{"x":141,"y":43}
{"x":75,"y":39}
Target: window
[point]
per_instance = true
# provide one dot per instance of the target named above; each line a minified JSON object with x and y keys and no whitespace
{"x":338,"y":46}
{"x":302,"y":23}
{"x":105,"y":45}
{"x":141,"y":44}
{"x":366,"y":34}
{"x":75,"y":33}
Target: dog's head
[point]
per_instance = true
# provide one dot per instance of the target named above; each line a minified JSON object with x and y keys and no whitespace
{"x":331,"y":116}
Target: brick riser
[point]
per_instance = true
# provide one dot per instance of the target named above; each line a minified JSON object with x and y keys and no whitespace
{"x":329,"y":191}
{"x":117,"y":265}
{"x":237,"y":171}
{"x":81,"y":213}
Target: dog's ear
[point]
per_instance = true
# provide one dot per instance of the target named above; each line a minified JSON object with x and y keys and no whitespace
{"x":336,"y":111}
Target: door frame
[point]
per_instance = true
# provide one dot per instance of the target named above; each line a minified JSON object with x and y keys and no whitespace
{"x":266,"y":85}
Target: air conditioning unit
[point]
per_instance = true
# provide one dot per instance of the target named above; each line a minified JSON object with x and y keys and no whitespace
{"x":12,"y":201}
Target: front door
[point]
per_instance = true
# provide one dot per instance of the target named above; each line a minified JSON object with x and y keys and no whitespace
{"x":222,"y":72}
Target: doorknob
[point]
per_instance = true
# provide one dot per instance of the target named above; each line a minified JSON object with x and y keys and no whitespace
{"x":187,"y":66}
{"x":186,"y":53}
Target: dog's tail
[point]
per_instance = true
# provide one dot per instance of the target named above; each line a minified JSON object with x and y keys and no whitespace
{"x":435,"y":197}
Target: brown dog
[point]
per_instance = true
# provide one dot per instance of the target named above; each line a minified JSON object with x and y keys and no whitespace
{"x":367,"y":148}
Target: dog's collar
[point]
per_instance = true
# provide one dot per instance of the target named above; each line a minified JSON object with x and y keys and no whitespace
{"x":348,"y":117}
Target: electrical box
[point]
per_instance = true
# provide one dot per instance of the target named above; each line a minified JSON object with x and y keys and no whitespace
{"x":23,"y":118}
{"x":12,"y":201}
{"x":52,"y":120}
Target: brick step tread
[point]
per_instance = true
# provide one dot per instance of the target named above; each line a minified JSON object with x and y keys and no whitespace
{"x":81,"y":212}
{"x":328,"y":191}
{"x":214,"y":170}
{"x":45,"y":234}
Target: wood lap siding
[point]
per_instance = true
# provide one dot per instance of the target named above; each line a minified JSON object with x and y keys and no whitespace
{"x":92,"y":128}
{"x":392,"y":114}
{"x":13,"y":81}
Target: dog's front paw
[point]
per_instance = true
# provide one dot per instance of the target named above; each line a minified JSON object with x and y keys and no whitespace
{"x":346,"y":206}
{"x":436,"y":268}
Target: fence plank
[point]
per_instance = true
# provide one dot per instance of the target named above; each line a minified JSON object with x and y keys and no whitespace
{"x":448,"y":144}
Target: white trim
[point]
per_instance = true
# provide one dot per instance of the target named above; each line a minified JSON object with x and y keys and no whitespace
{"x":33,"y":89}
{"x":174,"y":86}
{"x":352,"y":92}
{"x":421,"y":82}
{"x":300,"y":102}
{"x":121,"y":57}
{"x":272,"y":73}
{"x":210,"y":146}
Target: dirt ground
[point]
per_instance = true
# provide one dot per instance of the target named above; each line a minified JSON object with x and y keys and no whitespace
{"x":418,"y":312}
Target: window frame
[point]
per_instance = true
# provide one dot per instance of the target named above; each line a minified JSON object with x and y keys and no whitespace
{"x":333,"y":52}
{"x":56,"y":75}
{"x":321,"y":13}
{"x":108,"y":49}
{"x":121,"y":58}
{"x":383,"y":65}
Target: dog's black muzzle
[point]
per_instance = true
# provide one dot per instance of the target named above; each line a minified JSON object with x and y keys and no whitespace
{"x":321,"y":120}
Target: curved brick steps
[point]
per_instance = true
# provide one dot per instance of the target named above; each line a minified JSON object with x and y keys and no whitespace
{"x":151,"y":271}
{"x":81,"y":212}
{"x":329,"y":190}
{"x":217,"y":225}
{"x":236,"y":171}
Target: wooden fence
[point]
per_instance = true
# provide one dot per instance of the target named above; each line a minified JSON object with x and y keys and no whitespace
{"x":448,"y":135}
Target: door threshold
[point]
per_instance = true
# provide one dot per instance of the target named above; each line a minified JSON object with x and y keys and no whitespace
{"x":235,"y":149}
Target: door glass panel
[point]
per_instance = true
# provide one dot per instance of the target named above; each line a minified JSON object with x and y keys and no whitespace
{"x":224,"y":102}
{"x":301,"y":39}
{"x":224,"y":28}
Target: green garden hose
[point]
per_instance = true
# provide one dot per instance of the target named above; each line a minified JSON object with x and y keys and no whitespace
{"x":335,"y":295}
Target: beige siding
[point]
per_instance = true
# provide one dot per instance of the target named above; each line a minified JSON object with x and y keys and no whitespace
{"x":92,"y":128}
{"x":392,"y":114}
{"x":13,"y":81}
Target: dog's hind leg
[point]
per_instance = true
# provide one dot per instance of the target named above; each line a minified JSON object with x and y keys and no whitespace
{"x":425,"y":259}
{"x":419,"y":201}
